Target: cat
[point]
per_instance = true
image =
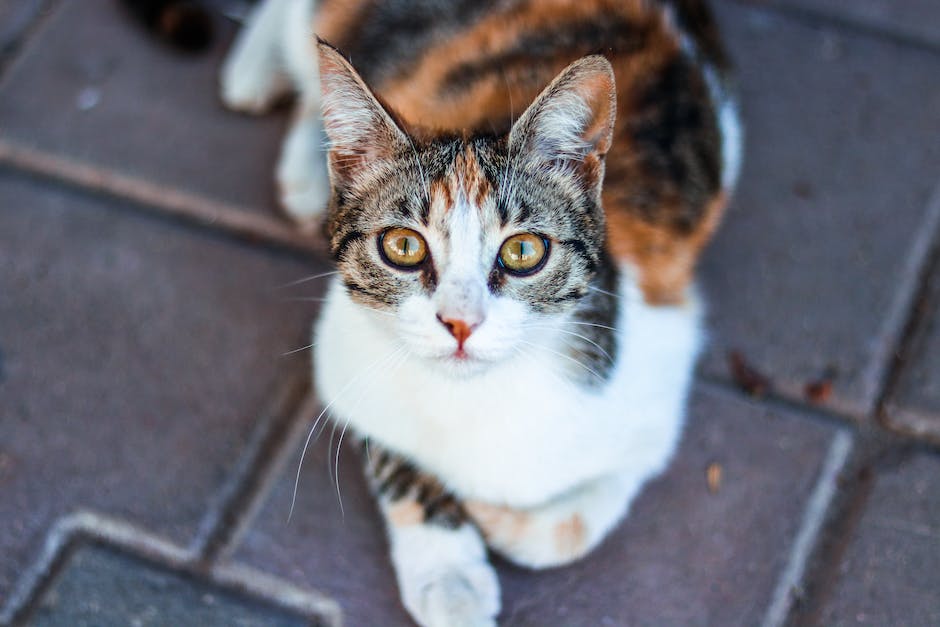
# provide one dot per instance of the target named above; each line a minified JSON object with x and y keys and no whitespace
{"x":515,"y":194}
{"x":186,"y":25}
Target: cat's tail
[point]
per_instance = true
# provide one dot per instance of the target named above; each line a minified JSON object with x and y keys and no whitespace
{"x":184,"y":24}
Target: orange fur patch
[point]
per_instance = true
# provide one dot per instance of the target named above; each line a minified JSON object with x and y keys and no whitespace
{"x":405,"y":512}
{"x":501,"y":525}
{"x":571,"y":537}
{"x":665,"y":259}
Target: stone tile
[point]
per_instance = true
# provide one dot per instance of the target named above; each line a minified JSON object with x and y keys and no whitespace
{"x":889,"y":573}
{"x":915,"y":403}
{"x":916,"y":19}
{"x":808,"y":271}
{"x":136,"y":356}
{"x":685,"y":555}
{"x":16,"y":16}
{"x":92,"y":86}
{"x":100,"y":586}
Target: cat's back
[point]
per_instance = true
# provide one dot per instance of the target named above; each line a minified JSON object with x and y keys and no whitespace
{"x":472,"y":66}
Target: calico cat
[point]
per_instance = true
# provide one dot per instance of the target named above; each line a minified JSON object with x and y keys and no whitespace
{"x":518,"y":191}
{"x":184,"y":24}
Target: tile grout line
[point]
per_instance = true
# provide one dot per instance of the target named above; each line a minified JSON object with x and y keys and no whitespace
{"x":223,"y":216}
{"x":260,"y":464}
{"x":265,"y":476}
{"x":901,"y":323}
{"x":47,"y":8}
{"x":858,"y":25}
{"x":814,"y":516}
{"x":86,"y":526}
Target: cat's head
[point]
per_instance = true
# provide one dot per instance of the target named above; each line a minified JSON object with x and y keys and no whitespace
{"x":474,"y":245}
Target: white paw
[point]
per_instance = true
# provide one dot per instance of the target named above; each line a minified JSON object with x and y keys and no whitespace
{"x":250,"y":84}
{"x":302,"y":179}
{"x":443,"y":576}
{"x":462,"y":597}
{"x":304,"y":197}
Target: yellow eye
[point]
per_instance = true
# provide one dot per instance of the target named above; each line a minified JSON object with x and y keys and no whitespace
{"x":403,"y":247}
{"x":523,"y":253}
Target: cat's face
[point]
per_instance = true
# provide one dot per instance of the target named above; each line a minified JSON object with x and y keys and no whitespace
{"x":471,"y":247}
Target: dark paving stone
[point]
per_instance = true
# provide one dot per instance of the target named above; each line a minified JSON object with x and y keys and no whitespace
{"x":915,"y":404}
{"x":684,"y":557}
{"x":918,"y":19}
{"x":889,"y":573}
{"x":99,"y":586}
{"x":92,"y":86}
{"x":16,"y":16}
{"x":840,"y":162}
{"x":135,"y":358}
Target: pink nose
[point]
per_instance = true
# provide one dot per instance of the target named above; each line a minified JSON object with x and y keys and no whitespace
{"x":458,"y":328}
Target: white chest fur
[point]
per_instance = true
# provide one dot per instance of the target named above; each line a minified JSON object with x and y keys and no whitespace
{"x":521,"y":433}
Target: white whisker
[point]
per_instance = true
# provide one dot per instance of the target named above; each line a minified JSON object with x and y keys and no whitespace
{"x":583,"y":337}
{"x":306,"y":279}
{"x":297,"y":350}
{"x":597,"y":289}
{"x":591,"y":324}
{"x":303,"y":453}
{"x":562,"y":355}
{"x":335,"y":474}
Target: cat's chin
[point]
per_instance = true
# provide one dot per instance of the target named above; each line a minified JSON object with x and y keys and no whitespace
{"x":459,"y":365}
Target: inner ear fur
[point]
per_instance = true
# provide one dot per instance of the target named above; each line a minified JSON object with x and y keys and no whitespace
{"x":363,"y":134}
{"x":573,"y":118}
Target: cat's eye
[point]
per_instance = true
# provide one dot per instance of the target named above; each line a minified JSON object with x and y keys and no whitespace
{"x":403,"y":248}
{"x":523,"y":253}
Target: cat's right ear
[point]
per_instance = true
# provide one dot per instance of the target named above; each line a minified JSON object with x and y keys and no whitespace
{"x":363,"y":136}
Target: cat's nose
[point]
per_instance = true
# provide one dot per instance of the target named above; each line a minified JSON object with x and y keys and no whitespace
{"x":460,"y":329}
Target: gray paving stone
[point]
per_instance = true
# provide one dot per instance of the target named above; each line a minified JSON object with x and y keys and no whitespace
{"x":915,"y":404}
{"x":917,"y":19}
{"x":16,"y":16}
{"x":92,"y":86}
{"x":685,"y":556}
{"x":805,"y":274}
{"x":889,"y":573}
{"x":100,"y":586}
{"x":136,"y":355}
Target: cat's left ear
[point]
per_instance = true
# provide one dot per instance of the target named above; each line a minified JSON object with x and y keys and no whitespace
{"x":363,"y":135}
{"x":571,"y":123}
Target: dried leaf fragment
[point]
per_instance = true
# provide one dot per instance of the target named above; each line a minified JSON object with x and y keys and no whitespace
{"x":713,"y":475}
{"x":818,"y":391}
{"x":750,"y":380}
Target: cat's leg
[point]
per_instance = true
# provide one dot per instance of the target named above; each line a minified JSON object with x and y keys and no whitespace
{"x":561,"y":530}
{"x":439,"y":557}
{"x":302,"y":179}
{"x":253,"y":76}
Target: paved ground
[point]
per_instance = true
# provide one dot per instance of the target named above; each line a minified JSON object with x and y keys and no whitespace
{"x":150,"y":425}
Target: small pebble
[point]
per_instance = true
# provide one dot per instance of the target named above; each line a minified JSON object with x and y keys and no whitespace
{"x":88,"y":98}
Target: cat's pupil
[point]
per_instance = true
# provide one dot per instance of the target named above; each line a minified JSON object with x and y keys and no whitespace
{"x":523,"y":253}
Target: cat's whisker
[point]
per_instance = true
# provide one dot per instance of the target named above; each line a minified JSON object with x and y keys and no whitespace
{"x":297,"y":350}
{"x":424,"y":179}
{"x":568,"y":357}
{"x":599,"y":290}
{"x":391,"y":372}
{"x":313,"y":428}
{"x":583,"y":337}
{"x":307,"y":279}
{"x":379,"y":311}
{"x":306,"y":299}
{"x":590,"y":324}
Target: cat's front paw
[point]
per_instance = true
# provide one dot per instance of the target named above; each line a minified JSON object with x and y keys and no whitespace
{"x":444,"y":577}
{"x":302,"y":180}
{"x":463,"y":597}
